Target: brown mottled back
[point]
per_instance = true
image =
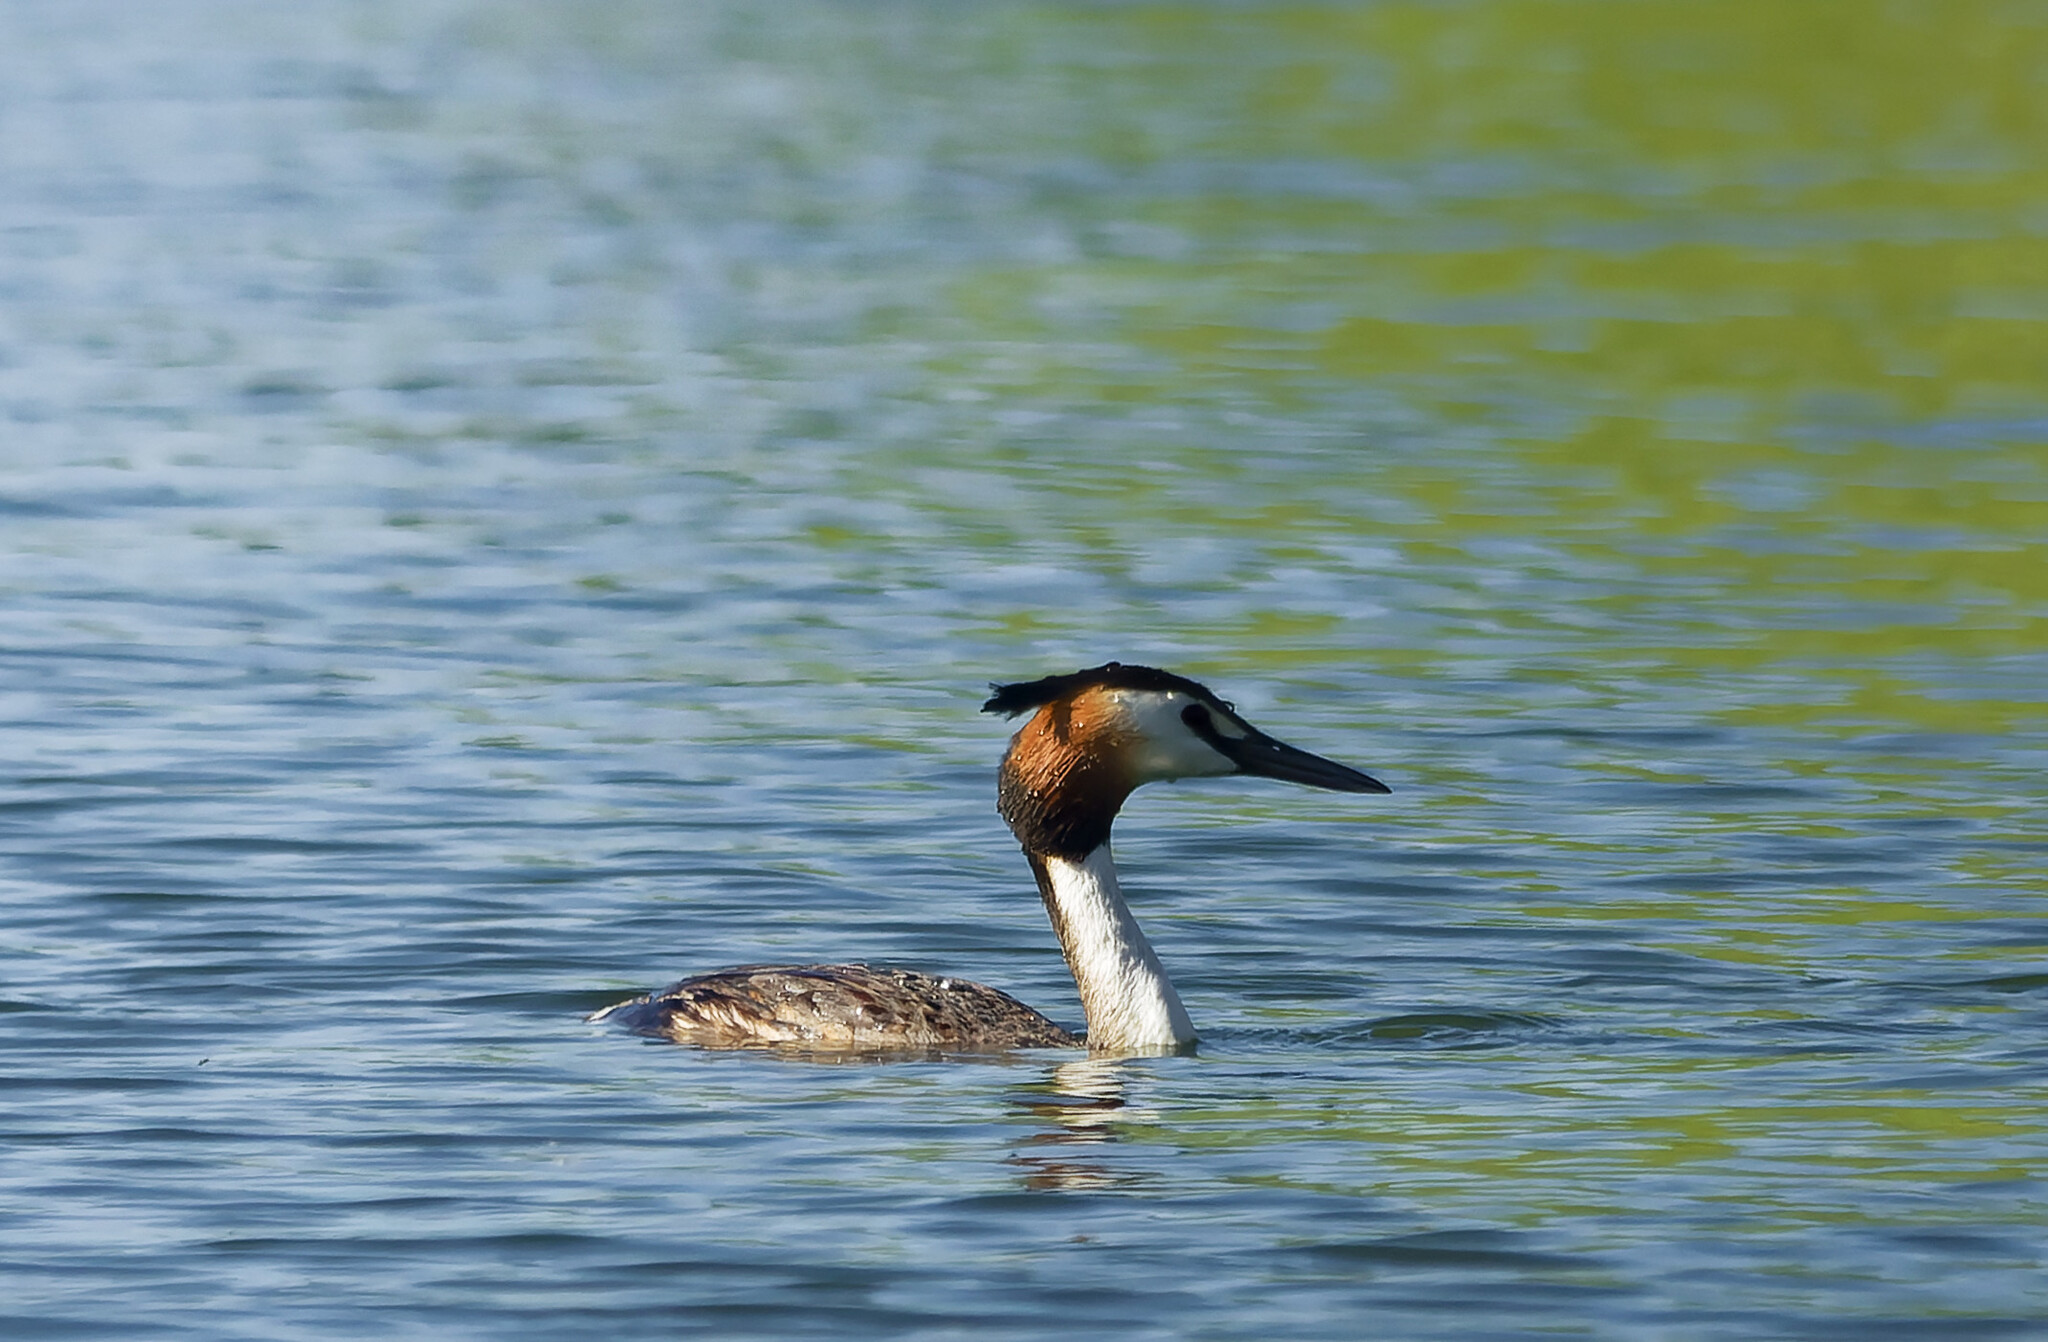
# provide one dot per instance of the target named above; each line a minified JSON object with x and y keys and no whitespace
{"x":837,"y":1007}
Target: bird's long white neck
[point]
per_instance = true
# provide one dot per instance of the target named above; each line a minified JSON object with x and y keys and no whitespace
{"x":1131,"y":1005}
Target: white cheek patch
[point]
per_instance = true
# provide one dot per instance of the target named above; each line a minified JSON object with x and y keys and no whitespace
{"x":1166,"y":746}
{"x":1227,"y":725}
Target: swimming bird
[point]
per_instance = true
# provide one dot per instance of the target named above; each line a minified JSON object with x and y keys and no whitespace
{"x":1096,"y":736}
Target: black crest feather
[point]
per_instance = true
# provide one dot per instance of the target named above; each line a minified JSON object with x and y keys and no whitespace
{"x":1024,"y":695}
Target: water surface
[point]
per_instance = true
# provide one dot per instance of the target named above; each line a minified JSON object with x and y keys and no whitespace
{"x":506,"y":505}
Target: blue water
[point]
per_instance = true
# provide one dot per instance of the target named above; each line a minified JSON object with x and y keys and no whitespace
{"x":505,"y":506}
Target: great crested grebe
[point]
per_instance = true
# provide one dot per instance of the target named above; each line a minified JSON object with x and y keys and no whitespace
{"x":1098,"y":734}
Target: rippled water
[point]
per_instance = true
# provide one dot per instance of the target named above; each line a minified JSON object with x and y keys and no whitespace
{"x":506,"y":505}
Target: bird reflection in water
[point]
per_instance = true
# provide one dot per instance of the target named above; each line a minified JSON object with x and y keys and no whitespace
{"x":1080,"y":1103}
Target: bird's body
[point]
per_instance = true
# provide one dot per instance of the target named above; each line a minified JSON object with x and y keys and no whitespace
{"x":838,"y":1007}
{"x":1096,"y":735}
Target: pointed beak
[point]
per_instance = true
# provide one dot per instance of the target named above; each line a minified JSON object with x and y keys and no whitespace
{"x":1260,"y":754}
